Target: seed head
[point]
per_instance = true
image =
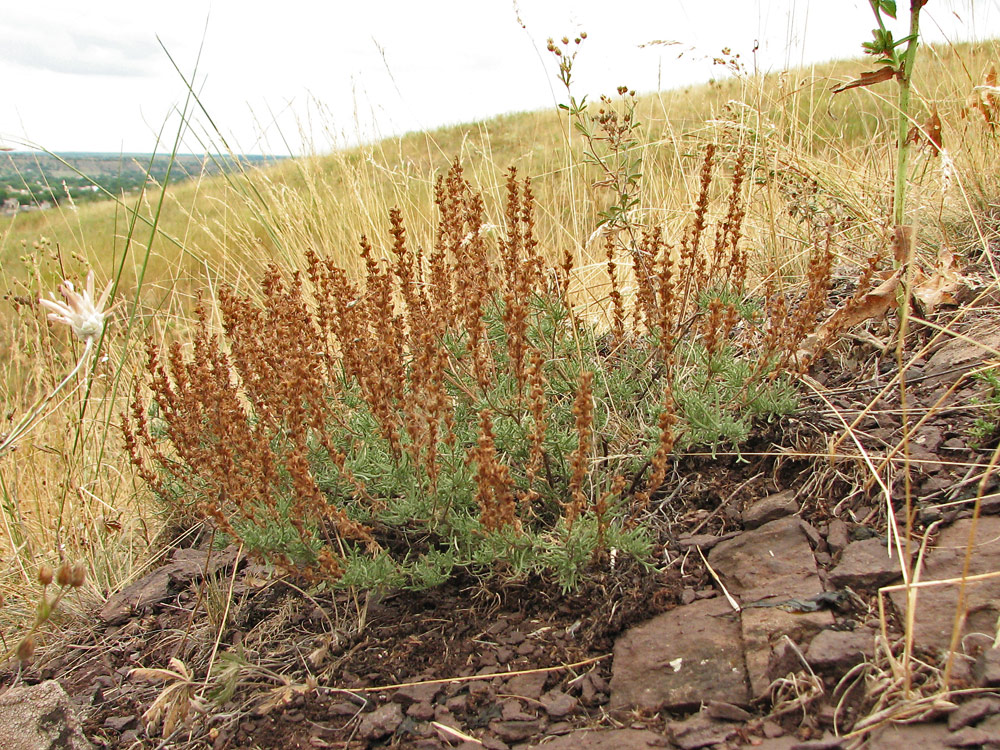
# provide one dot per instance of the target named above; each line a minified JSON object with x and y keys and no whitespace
{"x":45,"y":574}
{"x":77,"y":575}
{"x":26,"y":648}
{"x":64,"y":574}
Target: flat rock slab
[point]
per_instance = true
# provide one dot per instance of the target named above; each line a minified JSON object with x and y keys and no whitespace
{"x":773,"y":560}
{"x":161,"y":584}
{"x":936,"y":605}
{"x":836,"y":651}
{"x":867,"y":564}
{"x":771,"y":508}
{"x":907,"y":737}
{"x":612,"y":739}
{"x":764,"y":627}
{"x":961,"y":354}
{"x":680,"y":659}
{"x":766,"y":566}
{"x":40,"y":717}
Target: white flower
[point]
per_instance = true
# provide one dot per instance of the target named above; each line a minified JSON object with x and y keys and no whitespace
{"x":79,"y":312}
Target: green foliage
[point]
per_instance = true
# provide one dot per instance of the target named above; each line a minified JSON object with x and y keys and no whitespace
{"x":986,"y":428}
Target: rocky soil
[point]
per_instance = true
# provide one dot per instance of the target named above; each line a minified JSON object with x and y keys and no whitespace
{"x":759,"y":624}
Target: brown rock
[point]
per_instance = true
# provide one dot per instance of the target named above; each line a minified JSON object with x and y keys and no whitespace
{"x":704,"y":542}
{"x":836,"y":536}
{"x":558,"y":704}
{"x":513,"y":710}
{"x":771,"y":508}
{"x":935,"y":605}
{"x":763,"y":627}
{"x":986,"y":670}
{"x":527,"y":685}
{"x":423,"y":693}
{"x":515,"y":731}
{"x":907,"y":737}
{"x":381,"y":722}
{"x":972,"y":711}
{"x":162,"y":583}
{"x":700,"y":731}
{"x":613,"y":739}
{"x":40,"y":717}
{"x":726,"y":711}
{"x":866,"y":564}
{"x":775,"y":559}
{"x":420,"y":711}
{"x":960,"y":354}
{"x":681,"y":659}
{"x":836,"y":651}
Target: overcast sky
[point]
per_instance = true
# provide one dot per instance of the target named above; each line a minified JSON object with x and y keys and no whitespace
{"x":286,"y":76}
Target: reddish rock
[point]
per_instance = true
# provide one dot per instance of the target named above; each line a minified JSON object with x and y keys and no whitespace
{"x":935,"y":605}
{"x":515,"y":731}
{"x":558,"y":704}
{"x":726,"y":711}
{"x":527,"y":685}
{"x":424,"y":693}
{"x":771,"y":508}
{"x":836,"y":651}
{"x":907,"y":737}
{"x":700,"y":731}
{"x":986,"y":670}
{"x":513,"y":710}
{"x":381,"y":722}
{"x":972,"y":711}
{"x":837,"y":536}
{"x":681,"y":659}
{"x":769,"y":565}
{"x":764,"y":627}
{"x":867,"y":564}
{"x":775,"y":559}
{"x":421,"y":711}
{"x":612,"y":739}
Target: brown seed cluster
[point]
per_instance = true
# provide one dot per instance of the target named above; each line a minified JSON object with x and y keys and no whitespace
{"x":230,"y":427}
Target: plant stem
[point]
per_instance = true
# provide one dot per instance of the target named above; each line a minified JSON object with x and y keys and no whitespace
{"x":902,"y":147}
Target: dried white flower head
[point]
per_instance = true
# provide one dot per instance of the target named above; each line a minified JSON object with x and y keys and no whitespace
{"x":79,"y":311}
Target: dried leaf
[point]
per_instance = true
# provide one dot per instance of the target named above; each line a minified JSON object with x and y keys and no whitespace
{"x":942,"y":286}
{"x":984,"y":98}
{"x":875,"y":304}
{"x":869,"y":78}
{"x":928,"y":134}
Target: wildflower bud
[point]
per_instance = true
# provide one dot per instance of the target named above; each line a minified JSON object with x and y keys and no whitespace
{"x":26,"y":648}
{"x":565,"y":40}
{"x":77,"y":576}
{"x":43,"y":610}
{"x":45,"y":574}
{"x":63,"y":574}
{"x":583,"y":34}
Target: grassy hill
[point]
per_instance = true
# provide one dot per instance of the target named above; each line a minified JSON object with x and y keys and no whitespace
{"x":816,"y":164}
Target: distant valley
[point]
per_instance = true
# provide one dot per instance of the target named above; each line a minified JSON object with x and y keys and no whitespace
{"x":33,"y":180}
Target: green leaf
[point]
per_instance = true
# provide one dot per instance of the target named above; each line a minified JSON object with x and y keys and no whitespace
{"x":888,"y":7}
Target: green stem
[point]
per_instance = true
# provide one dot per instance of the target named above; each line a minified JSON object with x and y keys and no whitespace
{"x":902,"y":147}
